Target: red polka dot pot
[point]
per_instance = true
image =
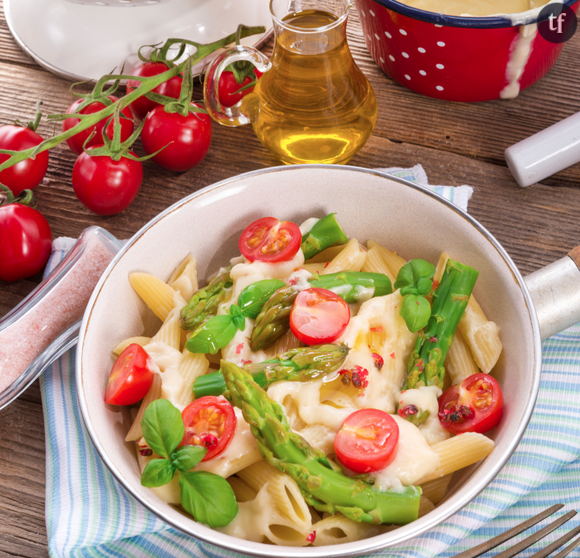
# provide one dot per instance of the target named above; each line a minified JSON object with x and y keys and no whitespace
{"x":457,"y":58}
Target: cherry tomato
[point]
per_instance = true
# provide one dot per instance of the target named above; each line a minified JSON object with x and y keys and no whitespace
{"x":170,"y":88}
{"x":270,"y":240}
{"x":367,"y":441}
{"x":27,"y":174}
{"x":474,"y":406}
{"x":210,"y":422}
{"x":131,"y":376}
{"x":229,"y":88}
{"x":105,"y":186}
{"x":26,"y":241}
{"x":77,"y":141}
{"x":318,"y":316}
{"x":187,"y":138}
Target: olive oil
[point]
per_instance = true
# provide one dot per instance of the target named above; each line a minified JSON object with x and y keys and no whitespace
{"x":315,"y":105}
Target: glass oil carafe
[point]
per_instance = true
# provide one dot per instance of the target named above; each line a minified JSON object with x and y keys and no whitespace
{"x":313,"y":104}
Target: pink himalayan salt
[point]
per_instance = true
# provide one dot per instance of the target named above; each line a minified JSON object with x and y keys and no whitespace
{"x":27,"y":337}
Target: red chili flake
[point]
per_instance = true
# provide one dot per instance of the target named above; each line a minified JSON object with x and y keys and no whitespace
{"x":244,"y":362}
{"x":239,"y":348}
{"x":209,"y":440}
{"x":343,"y":371}
{"x":325,"y":266}
{"x":392,"y":355}
{"x":432,"y":339}
{"x":379,"y":362}
{"x":359,"y":377}
{"x":293,"y":281}
{"x":435,"y":285}
{"x":408,"y":411}
{"x":378,"y":329}
{"x":146,"y":452}
{"x":312,"y":537}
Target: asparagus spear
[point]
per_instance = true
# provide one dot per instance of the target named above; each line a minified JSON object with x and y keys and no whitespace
{"x":352,"y":286}
{"x":205,"y":302}
{"x":325,"y":233}
{"x":321,"y":481}
{"x":425,"y":365}
{"x":301,"y":364}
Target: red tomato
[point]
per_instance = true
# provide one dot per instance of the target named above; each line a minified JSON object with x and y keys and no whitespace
{"x":187,"y":138}
{"x":170,"y":88}
{"x":26,"y":241}
{"x":209,"y":422}
{"x":318,"y":316}
{"x":474,"y":406}
{"x":367,"y":441}
{"x":270,"y":240}
{"x":77,"y":141}
{"x":27,"y":174}
{"x":105,"y":186}
{"x":229,"y":88}
{"x":131,"y":376}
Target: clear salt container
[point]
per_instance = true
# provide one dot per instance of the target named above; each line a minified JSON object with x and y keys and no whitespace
{"x":46,"y":323}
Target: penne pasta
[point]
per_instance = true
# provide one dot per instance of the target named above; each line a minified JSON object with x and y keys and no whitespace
{"x":338,"y":529}
{"x":191,"y":366}
{"x":436,"y":489}
{"x":118,"y":349}
{"x":136,"y":432}
{"x":350,"y":258}
{"x":170,"y":331}
{"x":184,"y":277}
{"x":393,"y":261}
{"x":460,"y":362}
{"x":156,"y":294}
{"x":375,"y":263}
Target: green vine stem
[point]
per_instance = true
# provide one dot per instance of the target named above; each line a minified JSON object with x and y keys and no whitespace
{"x":147,"y":85}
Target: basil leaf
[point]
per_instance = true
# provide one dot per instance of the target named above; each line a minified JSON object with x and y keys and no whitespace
{"x":414,"y":270}
{"x":254,"y":296}
{"x":416,"y":312}
{"x":408,"y":290}
{"x":187,"y":457}
{"x":424,"y":285}
{"x":213,"y":335}
{"x":157,"y":473}
{"x":208,"y":498}
{"x":162,"y":427}
{"x":237,"y":317}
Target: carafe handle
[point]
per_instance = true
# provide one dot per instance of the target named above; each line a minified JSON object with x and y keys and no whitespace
{"x":243,"y":112}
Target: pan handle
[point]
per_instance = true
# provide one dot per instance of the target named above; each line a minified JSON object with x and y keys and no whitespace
{"x":555,"y":290}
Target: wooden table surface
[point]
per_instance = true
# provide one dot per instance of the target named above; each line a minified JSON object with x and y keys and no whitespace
{"x":456,"y":143}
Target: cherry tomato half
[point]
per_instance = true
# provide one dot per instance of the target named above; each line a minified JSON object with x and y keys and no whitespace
{"x":229,"y":88}
{"x":131,"y":376}
{"x":26,"y":241}
{"x":367,"y":441}
{"x":185,"y":139}
{"x":210,"y":422}
{"x":77,"y":141}
{"x":270,"y":240}
{"x":105,"y":186}
{"x":476,"y":405}
{"x":170,"y":88}
{"x":318,"y":316}
{"x":27,"y":174}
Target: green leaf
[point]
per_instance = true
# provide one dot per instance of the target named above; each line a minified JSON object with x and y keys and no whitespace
{"x":408,"y":290}
{"x":237,"y":318}
{"x":162,"y":427}
{"x":157,"y":473}
{"x":216,"y":333}
{"x":424,"y":285}
{"x":416,"y":312}
{"x":187,"y":457}
{"x":208,"y":498}
{"x":412,"y":272}
{"x":254,"y":296}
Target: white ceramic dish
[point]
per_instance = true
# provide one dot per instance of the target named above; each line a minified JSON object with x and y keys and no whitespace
{"x":80,"y":42}
{"x":369,"y":204}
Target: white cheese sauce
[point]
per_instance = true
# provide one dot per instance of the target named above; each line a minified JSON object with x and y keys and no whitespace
{"x":414,"y":459}
{"x":425,"y":399}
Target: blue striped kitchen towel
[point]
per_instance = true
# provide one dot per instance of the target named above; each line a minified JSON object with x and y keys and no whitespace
{"x":89,"y":514}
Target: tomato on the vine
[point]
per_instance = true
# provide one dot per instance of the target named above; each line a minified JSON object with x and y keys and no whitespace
{"x":270,"y":240}
{"x":230,"y":91}
{"x":170,"y":88}
{"x":318,"y":316}
{"x":185,"y":139}
{"x":77,"y":141}
{"x":27,"y":174}
{"x":26,"y":241}
{"x":209,"y":422}
{"x":104,"y":185}
{"x":131,"y":376}
{"x":367,"y":441}
{"x":476,"y":405}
